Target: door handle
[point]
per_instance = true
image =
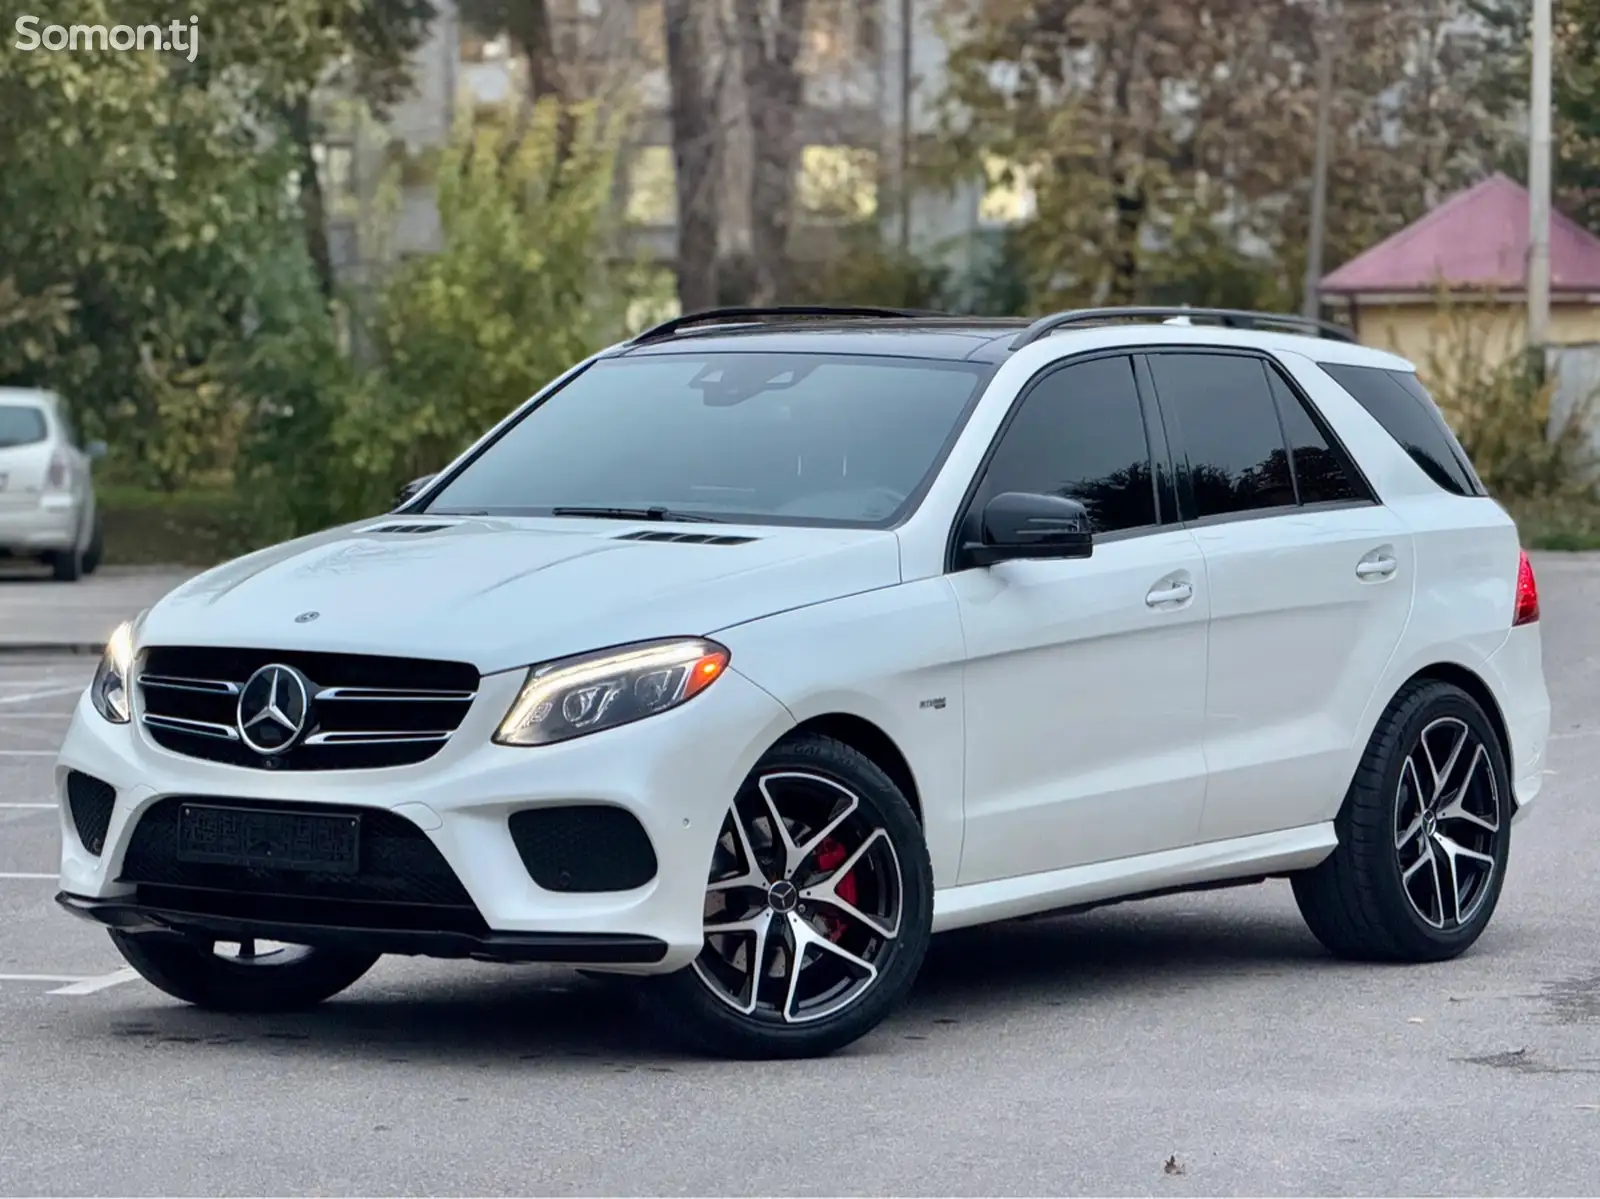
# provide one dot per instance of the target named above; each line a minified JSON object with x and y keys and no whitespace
{"x":1376,"y":568}
{"x":1174,"y":594}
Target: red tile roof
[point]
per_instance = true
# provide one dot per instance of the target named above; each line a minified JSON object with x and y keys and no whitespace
{"x":1476,"y":239}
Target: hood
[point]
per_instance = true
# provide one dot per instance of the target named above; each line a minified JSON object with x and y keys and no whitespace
{"x":503,"y":593}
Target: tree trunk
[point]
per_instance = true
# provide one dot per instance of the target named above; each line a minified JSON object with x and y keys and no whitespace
{"x":694,"y":153}
{"x":769,"y":53}
{"x":313,"y":205}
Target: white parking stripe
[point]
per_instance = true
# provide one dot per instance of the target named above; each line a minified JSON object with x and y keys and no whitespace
{"x":28,"y":753}
{"x":89,"y":986}
{"x":4,"y":875}
{"x":41,"y":978}
{"x":30,"y":806}
{"x":32,"y":695}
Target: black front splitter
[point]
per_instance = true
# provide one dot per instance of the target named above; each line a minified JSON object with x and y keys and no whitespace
{"x":581,"y":949}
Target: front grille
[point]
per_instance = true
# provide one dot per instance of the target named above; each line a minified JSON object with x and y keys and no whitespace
{"x":403,"y":881}
{"x":364,"y":711}
{"x":90,"y":800}
{"x":583,"y":847}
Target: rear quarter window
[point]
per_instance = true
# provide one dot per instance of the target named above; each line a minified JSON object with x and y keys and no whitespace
{"x":21,"y":424}
{"x":1399,"y":402}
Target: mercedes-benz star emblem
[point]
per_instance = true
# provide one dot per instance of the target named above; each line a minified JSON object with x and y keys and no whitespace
{"x":273,"y":708}
{"x":783,"y":896}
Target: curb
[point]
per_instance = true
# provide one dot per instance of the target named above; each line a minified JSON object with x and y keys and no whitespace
{"x":52,"y":647}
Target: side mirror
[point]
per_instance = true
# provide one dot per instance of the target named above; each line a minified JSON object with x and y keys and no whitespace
{"x":96,"y":450}
{"x":411,"y":489}
{"x":1022,"y":524}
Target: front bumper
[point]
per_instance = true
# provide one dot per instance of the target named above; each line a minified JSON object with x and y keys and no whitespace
{"x":675,"y":773}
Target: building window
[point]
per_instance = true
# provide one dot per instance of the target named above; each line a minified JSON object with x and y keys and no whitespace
{"x":652,"y":182}
{"x":1009,"y":196}
{"x":839,"y":183}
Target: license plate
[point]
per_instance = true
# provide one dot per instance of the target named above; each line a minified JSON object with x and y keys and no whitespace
{"x":275,"y":840}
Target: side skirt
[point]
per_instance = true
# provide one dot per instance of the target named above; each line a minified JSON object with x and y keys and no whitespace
{"x":1234,"y":862}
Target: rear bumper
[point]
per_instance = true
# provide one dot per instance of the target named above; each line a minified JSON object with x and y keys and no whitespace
{"x":52,"y":525}
{"x":133,"y":916}
{"x":1516,"y":673}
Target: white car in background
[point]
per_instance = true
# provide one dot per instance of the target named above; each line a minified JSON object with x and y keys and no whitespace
{"x":47,"y":502}
{"x":756,"y":650}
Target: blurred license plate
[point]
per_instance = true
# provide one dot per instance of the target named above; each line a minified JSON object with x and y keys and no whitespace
{"x":276,"y":840}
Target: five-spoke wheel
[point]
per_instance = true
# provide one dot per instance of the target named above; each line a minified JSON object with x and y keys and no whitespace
{"x":1424,"y":835}
{"x":817,"y":910}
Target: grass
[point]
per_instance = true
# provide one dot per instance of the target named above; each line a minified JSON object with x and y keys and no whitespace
{"x":186,"y":528}
{"x":1557,"y":524}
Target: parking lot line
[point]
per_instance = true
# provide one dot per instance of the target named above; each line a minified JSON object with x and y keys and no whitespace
{"x":46,"y":694}
{"x":29,"y":806}
{"x":14,"y":875}
{"x":88,"y":986}
{"x":43,"y":978}
{"x":27,"y":753}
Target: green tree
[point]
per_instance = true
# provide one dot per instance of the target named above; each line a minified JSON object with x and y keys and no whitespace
{"x":519,"y":291}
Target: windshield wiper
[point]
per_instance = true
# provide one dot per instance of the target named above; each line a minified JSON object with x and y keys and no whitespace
{"x":652,"y":513}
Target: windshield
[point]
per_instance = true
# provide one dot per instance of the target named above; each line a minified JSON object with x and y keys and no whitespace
{"x":751,"y":437}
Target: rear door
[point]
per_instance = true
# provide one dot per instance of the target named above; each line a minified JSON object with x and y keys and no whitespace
{"x":1310,"y":581}
{"x":25,"y":448}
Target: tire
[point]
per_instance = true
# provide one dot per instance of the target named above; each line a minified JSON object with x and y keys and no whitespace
{"x":66,"y":566}
{"x":96,"y":549}
{"x":1359,"y":902}
{"x":191,"y":971}
{"x":818,"y":785}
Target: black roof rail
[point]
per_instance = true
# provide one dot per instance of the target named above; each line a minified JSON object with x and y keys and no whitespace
{"x":1233,"y":318}
{"x":777,"y":312}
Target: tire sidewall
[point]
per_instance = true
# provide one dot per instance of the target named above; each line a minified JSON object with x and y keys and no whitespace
{"x":1442,"y":700}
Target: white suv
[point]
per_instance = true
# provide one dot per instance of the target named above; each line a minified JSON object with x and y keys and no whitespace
{"x":757,"y":649}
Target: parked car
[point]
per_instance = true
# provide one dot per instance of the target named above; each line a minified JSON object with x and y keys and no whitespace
{"x":754,"y":651}
{"x":47,"y":501}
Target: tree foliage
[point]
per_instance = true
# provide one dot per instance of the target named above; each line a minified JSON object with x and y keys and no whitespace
{"x":1168,"y":141}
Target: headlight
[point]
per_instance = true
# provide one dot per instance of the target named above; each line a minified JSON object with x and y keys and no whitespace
{"x":590,"y":692}
{"x":109,"y":691}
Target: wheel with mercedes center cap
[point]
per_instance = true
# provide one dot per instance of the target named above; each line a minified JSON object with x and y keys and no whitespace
{"x":818,"y":910}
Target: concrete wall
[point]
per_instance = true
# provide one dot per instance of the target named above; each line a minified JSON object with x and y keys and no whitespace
{"x":1487,"y":332}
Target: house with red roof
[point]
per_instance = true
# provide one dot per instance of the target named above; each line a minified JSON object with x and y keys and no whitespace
{"x":1457,"y":277}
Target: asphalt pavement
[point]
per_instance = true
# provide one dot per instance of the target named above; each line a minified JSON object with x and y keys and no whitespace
{"x":1192,"y":1045}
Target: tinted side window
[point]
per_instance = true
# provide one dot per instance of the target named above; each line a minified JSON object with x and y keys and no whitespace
{"x":1322,"y":473}
{"x":1399,"y":402}
{"x":1080,"y":434}
{"x":1221,"y":419}
{"x":21,"y":424}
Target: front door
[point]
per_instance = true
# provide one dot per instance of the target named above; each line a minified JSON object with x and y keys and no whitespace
{"x":1084,"y":679}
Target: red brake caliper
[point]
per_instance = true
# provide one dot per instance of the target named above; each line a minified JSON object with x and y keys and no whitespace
{"x":830,"y":856}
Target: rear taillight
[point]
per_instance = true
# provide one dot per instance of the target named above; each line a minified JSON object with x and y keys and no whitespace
{"x":56,"y":478}
{"x":1527,"y":593}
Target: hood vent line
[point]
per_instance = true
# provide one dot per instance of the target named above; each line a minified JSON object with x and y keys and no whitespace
{"x":407,"y":528}
{"x":684,"y":538}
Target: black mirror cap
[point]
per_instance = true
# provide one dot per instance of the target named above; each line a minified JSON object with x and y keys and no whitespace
{"x":410,"y":489}
{"x":1024,"y":524}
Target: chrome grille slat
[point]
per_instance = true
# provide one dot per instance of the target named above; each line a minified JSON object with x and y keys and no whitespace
{"x":395,"y":695}
{"x":200,"y":728}
{"x":375,"y":738}
{"x":207,"y":686}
